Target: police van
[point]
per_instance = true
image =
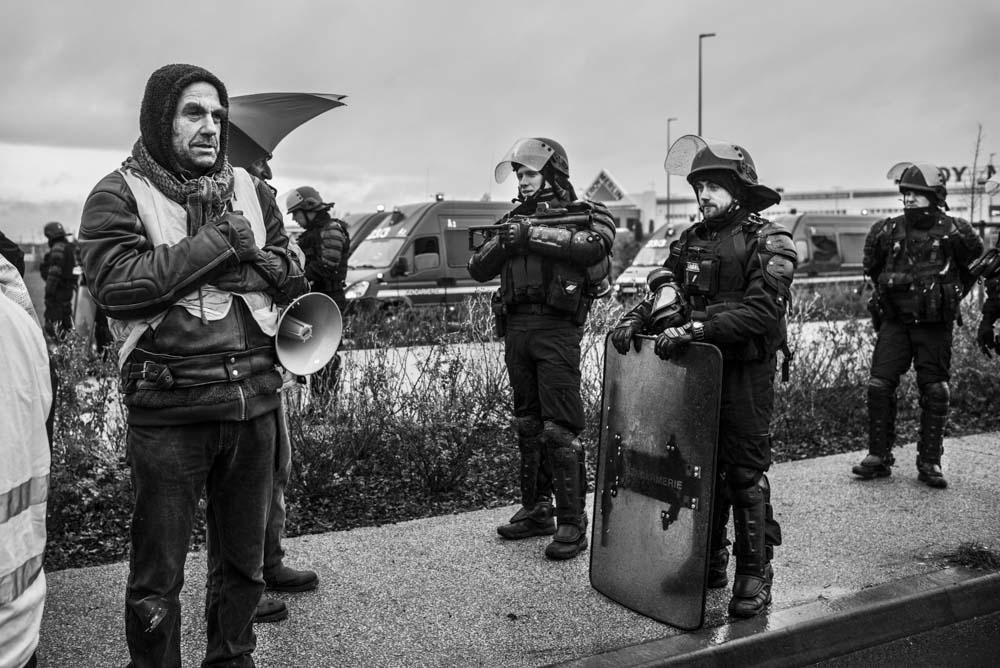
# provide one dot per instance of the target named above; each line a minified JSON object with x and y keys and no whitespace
{"x":417,"y":255}
{"x":830,"y":248}
{"x":359,"y":225}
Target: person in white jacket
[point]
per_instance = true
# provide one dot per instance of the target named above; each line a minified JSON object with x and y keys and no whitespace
{"x":25,"y":396}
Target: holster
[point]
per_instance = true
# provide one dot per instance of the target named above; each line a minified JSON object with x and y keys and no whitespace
{"x":499,"y":315}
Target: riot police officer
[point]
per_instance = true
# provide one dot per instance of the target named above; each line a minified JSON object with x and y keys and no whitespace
{"x":325,"y":243}
{"x":989,"y":271}
{"x":919,"y":264}
{"x":550,"y":271}
{"x":734,"y":268}
{"x":57,"y":269}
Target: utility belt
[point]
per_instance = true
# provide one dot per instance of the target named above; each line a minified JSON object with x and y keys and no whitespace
{"x":537,"y":309}
{"x":751,"y":349}
{"x":149,"y":371}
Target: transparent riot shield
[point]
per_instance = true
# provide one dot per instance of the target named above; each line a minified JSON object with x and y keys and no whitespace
{"x":655,"y":479}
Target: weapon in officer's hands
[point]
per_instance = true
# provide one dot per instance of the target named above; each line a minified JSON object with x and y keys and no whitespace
{"x":986,"y":267}
{"x":480,"y":234}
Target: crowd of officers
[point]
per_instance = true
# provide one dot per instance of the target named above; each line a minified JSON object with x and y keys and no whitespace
{"x":193,"y":293}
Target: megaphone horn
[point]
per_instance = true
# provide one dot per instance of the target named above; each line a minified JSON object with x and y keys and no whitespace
{"x":309,"y":332}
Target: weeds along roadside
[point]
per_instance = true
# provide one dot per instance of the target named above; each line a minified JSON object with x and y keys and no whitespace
{"x":387,"y":446}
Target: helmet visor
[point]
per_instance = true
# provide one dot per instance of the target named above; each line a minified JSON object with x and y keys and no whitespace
{"x":992,"y":187}
{"x":529,"y":152}
{"x":931,"y":173}
{"x":681,"y":154}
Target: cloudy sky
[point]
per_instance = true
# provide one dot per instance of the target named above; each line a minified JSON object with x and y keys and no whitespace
{"x":823,"y":94}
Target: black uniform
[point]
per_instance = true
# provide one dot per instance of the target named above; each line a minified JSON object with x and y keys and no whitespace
{"x":325,"y":244}
{"x":545,"y":296}
{"x":920,"y":273}
{"x":60,"y":284}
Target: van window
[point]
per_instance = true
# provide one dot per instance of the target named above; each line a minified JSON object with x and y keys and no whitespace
{"x":375,"y":253}
{"x":425,"y":245}
{"x":824,"y":245}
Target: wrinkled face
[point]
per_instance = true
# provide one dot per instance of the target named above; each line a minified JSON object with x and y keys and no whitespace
{"x":529,"y":181}
{"x":261,"y":169}
{"x":915,"y":200}
{"x":197,"y":127}
{"x":713,"y":200}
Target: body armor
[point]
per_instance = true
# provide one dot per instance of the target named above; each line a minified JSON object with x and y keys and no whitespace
{"x":916,"y":273}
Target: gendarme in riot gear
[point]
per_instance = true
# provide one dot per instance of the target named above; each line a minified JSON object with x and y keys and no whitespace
{"x":735,"y":272}
{"x":987,"y":268}
{"x":919,"y":264}
{"x":552,"y":255}
{"x":325,"y":243}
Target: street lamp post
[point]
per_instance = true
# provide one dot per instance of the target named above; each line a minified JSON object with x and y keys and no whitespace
{"x":669,"y":121}
{"x":700,"y":38}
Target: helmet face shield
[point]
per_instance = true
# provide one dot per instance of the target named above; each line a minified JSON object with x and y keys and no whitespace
{"x":918,"y":175}
{"x":681,"y":155}
{"x":530,"y":152}
{"x":992,"y":187}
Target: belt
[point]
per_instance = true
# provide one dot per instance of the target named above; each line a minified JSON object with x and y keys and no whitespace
{"x":168,"y":371}
{"x":536,"y":309}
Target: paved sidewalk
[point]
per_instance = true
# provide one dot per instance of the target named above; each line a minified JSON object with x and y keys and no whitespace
{"x":446,"y":591}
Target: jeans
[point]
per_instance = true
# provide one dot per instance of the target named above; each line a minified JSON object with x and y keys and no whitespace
{"x":171,"y":465}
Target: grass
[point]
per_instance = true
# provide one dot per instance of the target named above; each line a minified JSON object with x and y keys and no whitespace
{"x":370,"y":449}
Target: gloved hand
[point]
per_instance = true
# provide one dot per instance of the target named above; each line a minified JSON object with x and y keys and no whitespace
{"x":671,"y":339}
{"x":241,"y":279}
{"x":514,"y":234}
{"x":236,"y":229}
{"x":986,"y":339}
{"x":625,"y":334}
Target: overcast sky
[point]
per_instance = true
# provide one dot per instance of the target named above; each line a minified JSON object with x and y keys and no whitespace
{"x":823,"y":94}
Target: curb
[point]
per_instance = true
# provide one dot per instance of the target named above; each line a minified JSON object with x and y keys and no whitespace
{"x":822,"y":629}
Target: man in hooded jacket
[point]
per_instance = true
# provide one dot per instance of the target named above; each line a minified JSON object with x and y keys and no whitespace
{"x":734,"y":270}
{"x":189,"y":258}
{"x":550,"y":273}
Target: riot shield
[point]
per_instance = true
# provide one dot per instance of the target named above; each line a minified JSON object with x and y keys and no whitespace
{"x":655,"y":479}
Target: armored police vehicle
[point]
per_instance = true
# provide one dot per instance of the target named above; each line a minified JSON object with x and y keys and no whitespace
{"x":417,"y":255}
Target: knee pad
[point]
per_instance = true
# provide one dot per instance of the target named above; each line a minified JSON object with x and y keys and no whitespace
{"x":935,"y":397}
{"x":745,"y":487}
{"x":880,"y":387}
{"x":561,"y":445}
{"x":527,"y":426}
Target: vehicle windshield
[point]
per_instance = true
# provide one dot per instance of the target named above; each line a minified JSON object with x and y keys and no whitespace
{"x":651,"y":256}
{"x":375,"y":253}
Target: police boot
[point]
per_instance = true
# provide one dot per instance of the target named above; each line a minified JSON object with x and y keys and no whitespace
{"x":718,"y":558}
{"x":881,"y":431}
{"x":756,"y":533}
{"x":934,"y":399}
{"x":535,"y":518}
{"x":569,"y":482}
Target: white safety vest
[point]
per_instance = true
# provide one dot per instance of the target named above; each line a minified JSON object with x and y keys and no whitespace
{"x":25,"y":398}
{"x":165,"y":222}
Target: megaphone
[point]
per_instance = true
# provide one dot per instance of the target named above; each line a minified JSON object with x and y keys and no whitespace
{"x":309,"y":332}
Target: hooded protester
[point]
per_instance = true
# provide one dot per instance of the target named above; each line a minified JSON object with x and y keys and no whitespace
{"x":919,"y":264}
{"x":190,"y":260}
{"x":734,"y":270}
{"x":550,"y":273}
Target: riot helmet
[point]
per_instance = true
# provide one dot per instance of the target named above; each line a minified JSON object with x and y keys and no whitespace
{"x":54,"y":230}
{"x":728,"y":164}
{"x":921,"y":177}
{"x":305,"y":198}
{"x":534,"y":153}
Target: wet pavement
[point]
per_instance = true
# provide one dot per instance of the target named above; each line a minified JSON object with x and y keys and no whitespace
{"x":446,"y":591}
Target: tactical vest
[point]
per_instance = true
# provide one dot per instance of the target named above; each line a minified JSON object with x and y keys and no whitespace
{"x":920,"y":280}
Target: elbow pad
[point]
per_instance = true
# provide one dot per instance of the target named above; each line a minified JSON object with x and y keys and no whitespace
{"x":487,"y":262}
{"x":582,"y":247}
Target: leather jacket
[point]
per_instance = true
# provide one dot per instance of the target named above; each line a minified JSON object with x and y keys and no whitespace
{"x":186,"y":369}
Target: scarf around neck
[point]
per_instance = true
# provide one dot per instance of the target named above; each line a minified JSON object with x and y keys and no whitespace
{"x":204,"y":198}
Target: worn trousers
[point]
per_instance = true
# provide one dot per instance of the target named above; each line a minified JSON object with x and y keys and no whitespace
{"x":171,"y":466}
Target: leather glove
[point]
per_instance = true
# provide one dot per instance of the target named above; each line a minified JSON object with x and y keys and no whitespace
{"x":624,"y":335}
{"x":514,"y":234}
{"x":242,"y":278}
{"x":236,"y":229}
{"x":986,"y":339}
{"x":672,"y":339}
